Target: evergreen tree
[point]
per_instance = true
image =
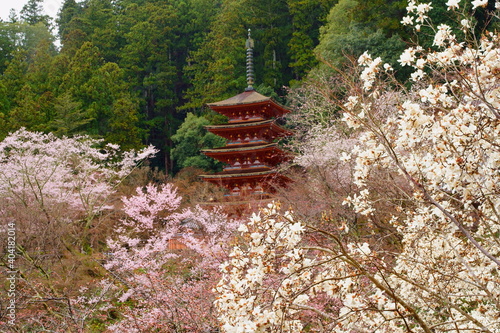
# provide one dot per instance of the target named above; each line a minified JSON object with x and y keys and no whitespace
{"x":109,"y":109}
{"x":217,"y":69}
{"x":31,"y":13}
{"x":69,"y":118}
{"x":12,"y":81}
{"x":8,"y":32}
{"x":307,"y":18}
{"x":29,"y":111}
{"x":70,"y":10}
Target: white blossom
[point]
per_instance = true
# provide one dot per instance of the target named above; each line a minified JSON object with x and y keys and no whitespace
{"x":453,"y":4}
{"x":439,"y":147}
{"x":417,"y":75}
{"x":364,"y":59}
{"x":407,"y":20}
{"x":407,"y":57}
{"x":479,"y":3}
{"x":466,"y":23}
{"x":442,"y":35}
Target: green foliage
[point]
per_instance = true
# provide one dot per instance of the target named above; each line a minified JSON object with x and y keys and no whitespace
{"x":307,"y":18}
{"x":13,"y":79}
{"x":21,"y":37}
{"x":189,"y":139}
{"x":68,"y":11}
{"x":39,"y":71}
{"x":7,"y":44}
{"x":270,"y":21}
{"x":354,"y":27}
{"x":216,"y":69}
{"x":28,"y":113}
{"x":103,"y":28}
{"x":69,"y":117}
{"x":27,"y":100}
{"x":123,"y":127}
{"x":31,"y":13}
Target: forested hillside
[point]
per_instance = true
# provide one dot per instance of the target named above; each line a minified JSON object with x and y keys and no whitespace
{"x":129,"y":70}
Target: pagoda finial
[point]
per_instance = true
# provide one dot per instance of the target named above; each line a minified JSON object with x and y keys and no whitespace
{"x":250,"y":76}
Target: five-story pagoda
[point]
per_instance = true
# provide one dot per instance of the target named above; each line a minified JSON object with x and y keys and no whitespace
{"x":251,"y":153}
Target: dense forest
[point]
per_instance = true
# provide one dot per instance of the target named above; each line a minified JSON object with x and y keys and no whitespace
{"x":130,"y":70}
{"x":390,"y":221}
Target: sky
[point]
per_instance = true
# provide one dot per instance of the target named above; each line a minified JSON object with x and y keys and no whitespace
{"x":51,"y":7}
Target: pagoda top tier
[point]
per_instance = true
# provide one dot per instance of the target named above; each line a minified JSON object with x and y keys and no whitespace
{"x":249,"y":101}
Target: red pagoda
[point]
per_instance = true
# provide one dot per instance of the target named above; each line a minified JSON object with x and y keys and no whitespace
{"x":251,"y":153}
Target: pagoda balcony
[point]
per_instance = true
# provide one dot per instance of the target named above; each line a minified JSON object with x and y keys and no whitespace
{"x":248,"y":182}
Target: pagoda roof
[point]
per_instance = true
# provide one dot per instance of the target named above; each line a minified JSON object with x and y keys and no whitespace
{"x":247,"y":98}
{"x":250,"y":169}
{"x":270,"y":146}
{"x":241,"y":125}
{"x":269,"y":123}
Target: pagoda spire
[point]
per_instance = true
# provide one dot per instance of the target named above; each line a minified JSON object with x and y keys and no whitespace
{"x":250,"y":74}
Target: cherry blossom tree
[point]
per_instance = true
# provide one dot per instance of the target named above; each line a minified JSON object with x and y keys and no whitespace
{"x":443,"y":273}
{"x":40,"y":172}
{"x":170,"y":289}
{"x":52,"y":192}
{"x":50,"y":184}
